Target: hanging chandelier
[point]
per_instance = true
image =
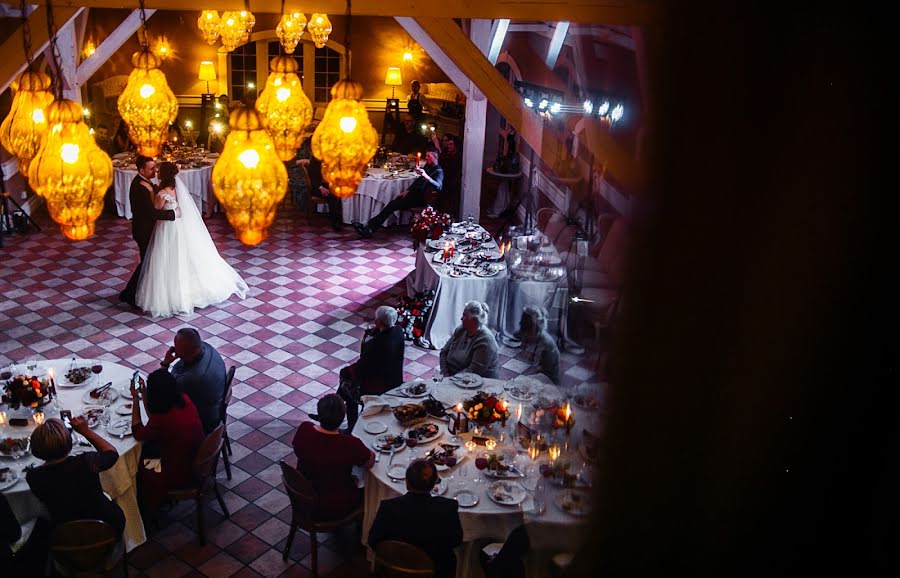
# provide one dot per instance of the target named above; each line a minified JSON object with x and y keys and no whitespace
{"x":23,"y":129}
{"x":290,"y":29}
{"x":319,"y":28}
{"x":249,"y":179}
{"x":235,"y":28}
{"x":147,"y":104}
{"x":209,"y":23}
{"x":70,"y":171}
{"x":345,"y":140}
{"x":284,"y":108}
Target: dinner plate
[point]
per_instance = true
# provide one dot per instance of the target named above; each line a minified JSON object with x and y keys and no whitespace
{"x":435,"y":243}
{"x":121,"y":155}
{"x":9,"y":480}
{"x":459,"y":458}
{"x":124,"y":409}
{"x":374,"y":427}
{"x":466,"y":499}
{"x":397,"y":473}
{"x":520,"y":393}
{"x":380,"y":443}
{"x":109,"y":394}
{"x":508,"y":474}
{"x":491,"y":272}
{"x":467,"y":380}
{"x":506,"y":493}
{"x":409,"y":392}
{"x":440,"y":488}
{"x":457,"y":273}
{"x":22,"y":452}
{"x":466,"y":249}
{"x":125,"y":392}
{"x":438,"y":257}
{"x":574,"y":502}
{"x":92,"y":414}
{"x":425,"y":438}
{"x":490,"y":255}
{"x":63,"y":380}
{"x":119,"y":427}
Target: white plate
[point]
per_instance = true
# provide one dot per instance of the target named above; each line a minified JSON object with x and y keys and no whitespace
{"x":492,"y":272}
{"x":24,"y":452}
{"x":121,"y":155}
{"x":459,"y":458}
{"x":124,"y":409}
{"x":574,"y":502}
{"x":12,"y":478}
{"x":519,"y":393}
{"x":63,"y":381}
{"x":466,"y":499}
{"x":506,"y":493}
{"x":110,"y":393}
{"x":379,"y":444}
{"x":438,"y":257}
{"x":406,"y":391}
{"x":435,"y":243}
{"x":427,"y":439}
{"x":97,"y":410}
{"x":397,"y":473}
{"x":125,"y":392}
{"x":375,"y":427}
{"x":467,"y":380}
{"x":440,"y":488}
{"x":457,"y":273}
{"x":119,"y":427}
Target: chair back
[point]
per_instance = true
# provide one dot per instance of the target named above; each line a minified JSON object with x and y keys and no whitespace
{"x":304,"y":173}
{"x":207,"y":457}
{"x":226,"y":396}
{"x":393,"y":558}
{"x":301,"y":493}
{"x":83,"y":545}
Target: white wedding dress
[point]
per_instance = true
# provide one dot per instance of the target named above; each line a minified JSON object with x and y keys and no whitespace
{"x":183,"y":270}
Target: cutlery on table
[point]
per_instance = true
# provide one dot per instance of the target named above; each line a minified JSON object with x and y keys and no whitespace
{"x":97,"y":391}
{"x":377,"y":456}
{"x":393,"y":449}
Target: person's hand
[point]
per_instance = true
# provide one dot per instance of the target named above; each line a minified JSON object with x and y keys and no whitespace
{"x":420,"y":171}
{"x":135,"y":388}
{"x":80,"y":425}
{"x":170,"y":356}
{"x":142,"y":388}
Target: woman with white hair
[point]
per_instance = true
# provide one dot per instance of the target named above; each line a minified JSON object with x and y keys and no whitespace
{"x":380,"y":364}
{"x":472,"y":348}
{"x":543,"y":354}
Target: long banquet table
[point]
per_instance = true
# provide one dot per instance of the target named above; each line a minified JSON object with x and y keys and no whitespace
{"x":553,"y":530}
{"x":118,"y":482}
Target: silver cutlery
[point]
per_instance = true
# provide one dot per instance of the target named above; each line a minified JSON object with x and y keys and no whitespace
{"x":377,"y":457}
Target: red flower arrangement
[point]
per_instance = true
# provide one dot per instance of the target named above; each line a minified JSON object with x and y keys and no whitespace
{"x":486,"y":408}
{"x":429,"y":224}
{"x":412,"y":315}
{"x":25,"y":390}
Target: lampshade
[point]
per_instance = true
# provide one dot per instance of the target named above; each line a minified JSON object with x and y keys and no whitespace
{"x":290,"y":30}
{"x":319,"y":28}
{"x":147,"y":104}
{"x":207,"y":70}
{"x":70,"y":171}
{"x":208,"y":23}
{"x":23,"y":130}
{"x":345,"y":139}
{"x":393,"y":78}
{"x":284,"y":108}
{"x":249,"y":179}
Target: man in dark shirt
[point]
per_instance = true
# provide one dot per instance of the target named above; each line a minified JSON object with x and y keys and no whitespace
{"x":143,"y":218}
{"x":418,"y":518}
{"x":200,"y":374}
{"x":430,"y":181}
{"x":407,"y":136}
{"x":380,"y":364}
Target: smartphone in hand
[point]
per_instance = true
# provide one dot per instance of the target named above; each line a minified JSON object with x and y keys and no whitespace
{"x":66,"y":416}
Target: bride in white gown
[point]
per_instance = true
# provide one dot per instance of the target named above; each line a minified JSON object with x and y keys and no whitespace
{"x":183,"y":269}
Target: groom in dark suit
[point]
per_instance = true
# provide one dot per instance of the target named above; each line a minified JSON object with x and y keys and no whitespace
{"x":143,"y":218}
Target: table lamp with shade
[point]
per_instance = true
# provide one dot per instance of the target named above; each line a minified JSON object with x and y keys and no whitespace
{"x":393,"y":78}
{"x":392,"y":109}
{"x":207,"y":72}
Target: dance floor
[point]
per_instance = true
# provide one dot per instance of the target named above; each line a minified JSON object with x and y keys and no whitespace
{"x":312,"y":291}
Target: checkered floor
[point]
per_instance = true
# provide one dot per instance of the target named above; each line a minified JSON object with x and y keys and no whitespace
{"x":312,"y":291}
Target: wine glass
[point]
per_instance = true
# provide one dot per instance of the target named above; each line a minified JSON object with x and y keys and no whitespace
{"x":31,"y":365}
{"x":411,"y":443}
{"x":481,"y":462}
{"x":534,"y":453}
{"x":437,"y":376}
{"x":97,"y":368}
{"x":463,"y":476}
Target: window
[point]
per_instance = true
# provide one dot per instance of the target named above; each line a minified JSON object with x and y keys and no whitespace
{"x":328,"y":72}
{"x":243,"y":69}
{"x":275,"y":50}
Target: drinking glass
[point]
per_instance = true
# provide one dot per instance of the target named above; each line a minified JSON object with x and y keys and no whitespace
{"x":411,"y":443}
{"x":471,"y":219}
{"x":437,"y":376}
{"x":31,"y":365}
{"x":97,"y":368}
{"x":481,"y":462}
{"x":463,"y":476}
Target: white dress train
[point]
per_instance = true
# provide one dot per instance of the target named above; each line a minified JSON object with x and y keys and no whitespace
{"x":182,"y":268}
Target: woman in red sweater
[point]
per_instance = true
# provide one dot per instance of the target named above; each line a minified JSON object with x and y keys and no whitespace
{"x":171,"y":438}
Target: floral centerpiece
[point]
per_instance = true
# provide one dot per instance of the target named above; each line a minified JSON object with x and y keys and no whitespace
{"x":412,"y":315}
{"x":485,"y":408}
{"x":25,"y":390}
{"x":552,"y":414}
{"x":429,"y":224}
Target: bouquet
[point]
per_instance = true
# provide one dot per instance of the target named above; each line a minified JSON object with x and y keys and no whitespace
{"x":412,"y":314}
{"x":486,"y":408}
{"x":429,"y":224}
{"x":25,"y":390}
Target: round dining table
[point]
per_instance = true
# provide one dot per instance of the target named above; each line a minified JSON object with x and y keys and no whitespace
{"x":197,"y":181}
{"x":550,"y":528}
{"x":119,"y":481}
{"x":378,"y":188}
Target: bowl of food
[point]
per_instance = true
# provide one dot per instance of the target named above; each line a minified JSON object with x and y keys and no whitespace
{"x":14,"y":448}
{"x":409,"y":414}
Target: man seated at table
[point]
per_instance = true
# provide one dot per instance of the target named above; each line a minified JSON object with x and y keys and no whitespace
{"x":380,"y":364}
{"x":317,"y":185}
{"x":472,"y":348}
{"x":420,"y":193}
{"x":418,"y":518}
{"x":200,"y":373}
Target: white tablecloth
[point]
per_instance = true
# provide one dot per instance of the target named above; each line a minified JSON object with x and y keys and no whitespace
{"x":553,"y":530}
{"x":452,"y":293}
{"x":373,"y":193}
{"x":196,"y":180}
{"x":118,"y":482}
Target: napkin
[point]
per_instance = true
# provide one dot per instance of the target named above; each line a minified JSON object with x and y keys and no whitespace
{"x":373,"y":404}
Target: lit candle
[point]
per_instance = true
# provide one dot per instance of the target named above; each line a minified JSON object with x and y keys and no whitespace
{"x":519,"y":412}
{"x":568,"y":415}
{"x":2,"y":418}
{"x":490,"y":445}
{"x":470,"y":446}
{"x":38,"y":417}
{"x":418,"y":159}
{"x":554,"y":452}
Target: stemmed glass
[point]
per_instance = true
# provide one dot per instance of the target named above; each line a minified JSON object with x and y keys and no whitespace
{"x":411,"y":443}
{"x":481,"y":462}
{"x":437,"y":376}
{"x":97,"y":368}
{"x":31,"y":365}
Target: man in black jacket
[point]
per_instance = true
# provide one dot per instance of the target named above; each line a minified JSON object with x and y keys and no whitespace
{"x":422,"y":191}
{"x":418,"y":518}
{"x":143,"y":218}
{"x":380,"y":364}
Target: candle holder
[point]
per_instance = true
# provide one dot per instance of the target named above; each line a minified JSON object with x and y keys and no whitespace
{"x":470,"y":446}
{"x":490,"y":444}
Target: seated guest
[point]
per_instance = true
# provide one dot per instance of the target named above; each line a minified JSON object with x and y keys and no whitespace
{"x":450,"y":157}
{"x":408,"y":138}
{"x":200,"y":373}
{"x":472,"y":348}
{"x":69,"y":486}
{"x":297,"y":185}
{"x":540,"y":346}
{"x":429,"y":182}
{"x":380,"y":364}
{"x":508,"y":562}
{"x":170,"y":439}
{"x":418,"y":518}
{"x":326,"y":456}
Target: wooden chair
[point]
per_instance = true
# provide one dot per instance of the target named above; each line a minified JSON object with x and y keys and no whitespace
{"x":87,"y":548}
{"x":396,"y":559}
{"x":303,"y":503}
{"x":223,"y":411}
{"x":204,"y":478}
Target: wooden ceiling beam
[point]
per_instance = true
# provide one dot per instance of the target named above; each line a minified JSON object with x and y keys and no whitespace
{"x":628,"y":12}
{"x":12,"y":58}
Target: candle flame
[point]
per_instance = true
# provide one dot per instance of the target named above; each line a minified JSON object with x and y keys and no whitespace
{"x":459,"y":407}
{"x":519,"y":412}
{"x":50,"y":371}
{"x":568,"y":412}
